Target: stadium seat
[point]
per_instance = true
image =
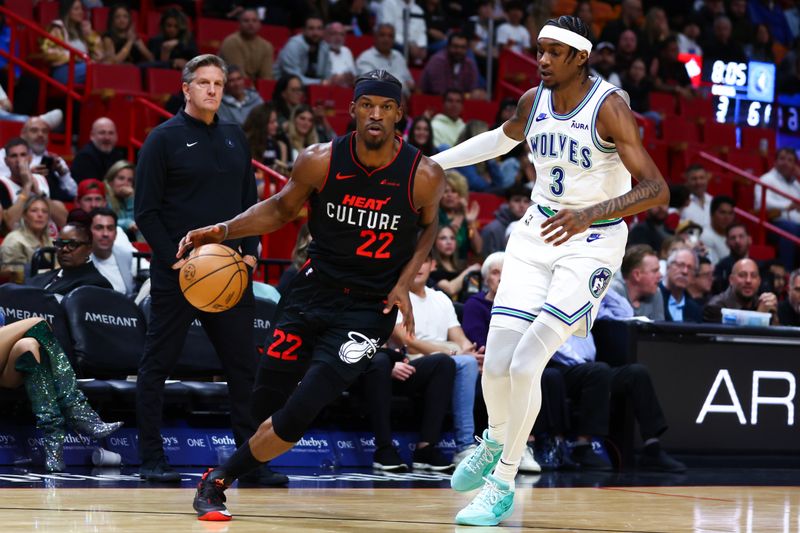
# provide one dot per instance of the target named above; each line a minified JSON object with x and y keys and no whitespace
{"x":721,"y":183}
{"x":339,"y":121}
{"x":420,"y":103}
{"x":46,"y":12}
{"x":211,"y":32}
{"x":719,"y":137}
{"x":265,"y":88}
{"x":162,"y":83}
{"x":676,"y":129}
{"x":516,"y":73}
{"x":762,"y":252}
{"x":663,"y":103}
{"x":697,"y":108}
{"x":126,"y":79}
{"x":747,"y":161}
{"x":276,"y":35}
{"x":22,"y":8}
{"x":480,"y":110}
{"x":19,"y":302}
{"x":359,"y":44}
{"x":330,"y":96}
{"x":761,"y":140}
{"x":488,"y":203}
{"x":9,"y":129}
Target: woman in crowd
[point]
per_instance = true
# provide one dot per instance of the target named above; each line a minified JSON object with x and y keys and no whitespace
{"x":656,"y":30}
{"x":287,"y":95}
{"x":453,"y":212}
{"x":75,"y":29}
{"x":450,"y":274}
{"x":421,"y":135}
{"x":19,"y":245}
{"x":31,"y":355}
{"x":299,"y":257}
{"x":266,"y":141}
{"x":300,"y":131}
{"x":583,"y":10}
{"x":174,"y":46}
{"x":121,"y":43}
{"x":119,"y":195}
{"x":761,"y":47}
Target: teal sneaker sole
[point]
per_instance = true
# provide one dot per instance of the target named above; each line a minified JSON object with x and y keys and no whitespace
{"x":462,"y":520}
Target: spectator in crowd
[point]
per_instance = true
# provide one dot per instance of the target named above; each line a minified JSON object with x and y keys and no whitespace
{"x":299,"y":257}
{"x":583,"y":10}
{"x":485,"y":176}
{"x":651,"y":231}
{"x":448,"y":125}
{"x":391,"y":12}
{"x":743,"y":293}
{"x":722,"y":216}
{"x":771,"y":14}
{"x":174,"y":45}
{"x":513,"y":34}
{"x":706,"y":12}
{"x":789,"y":309}
{"x":431,"y":377}
{"x":627,"y":50}
{"x":742,"y":30}
{"x":629,"y":18}
{"x":248,"y":49}
{"x":783,"y":176}
{"x":36,"y":131}
{"x":436,"y":24}
{"x":678,"y":305}
{"x":306,"y":55}
{"x":699,"y":209}
{"x":354,"y":14}
{"x":456,"y":211}
{"x":75,"y":29}
{"x":73,"y":250}
{"x":773,"y":275}
{"x":668,"y":72}
{"x":451,"y":68}
{"x":638,"y":85}
{"x":96,"y":157}
{"x":700,"y":284}
{"x":267,"y":145}
{"x":119,"y":185}
{"x":421,"y":135}
{"x":594,"y":385}
{"x":238,"y":99}
{"x":493,"y":235}
{"x":121,"y":42}
{"x":91,"y":195}
{"x":19,"y":245}
{"x":477,"y":31}
{"x":670,"y":244}
{"x":113,"y":262}
{"x":382,"y":56}
{"x":656,"y":30}
{"x":689,"y":38}
{"x":739,"y":242}
{"x":288,"y":93}
{"x":639,"y":283}
{"x":343,"y":66}
{"x":437,"y":330}
{"x":603,"y":63}
{"x":690,"y":234}
{"x":300,"y":131}
{"x":450,"y":272}
{"x":761,"y":47}
{"x":478,"y":307}
{"x":720,"y":46}
{"x":20,"y":183}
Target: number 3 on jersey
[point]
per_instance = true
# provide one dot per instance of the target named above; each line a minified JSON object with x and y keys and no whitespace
{"x":375,"y":245}
{"x":557,"y":187}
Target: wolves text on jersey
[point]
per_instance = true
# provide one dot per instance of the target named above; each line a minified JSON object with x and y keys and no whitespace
{"x":560,"y":146}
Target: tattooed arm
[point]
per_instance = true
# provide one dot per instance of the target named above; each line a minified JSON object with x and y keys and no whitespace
{"x":615,"y":123}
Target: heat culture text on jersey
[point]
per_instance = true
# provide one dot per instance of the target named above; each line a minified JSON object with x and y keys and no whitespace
{"x":363,"y":212}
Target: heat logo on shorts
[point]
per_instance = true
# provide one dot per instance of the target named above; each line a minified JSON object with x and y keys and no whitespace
{"x":599,"y":281}
{"x":357,"y":348}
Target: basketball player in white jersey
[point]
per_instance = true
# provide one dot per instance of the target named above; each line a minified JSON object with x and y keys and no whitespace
{"x":585,"y":147}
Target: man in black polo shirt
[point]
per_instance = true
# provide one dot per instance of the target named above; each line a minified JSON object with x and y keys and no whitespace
{"x":192,"y":171}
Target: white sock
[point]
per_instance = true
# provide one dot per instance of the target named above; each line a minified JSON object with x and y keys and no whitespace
{"x":496,"y":380}
{"x":506,"y":472}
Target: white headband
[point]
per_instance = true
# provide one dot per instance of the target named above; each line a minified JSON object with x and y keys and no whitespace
{"x":567,"y":37}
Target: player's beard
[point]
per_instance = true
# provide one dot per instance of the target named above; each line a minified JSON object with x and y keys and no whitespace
{"x":374,"y":143}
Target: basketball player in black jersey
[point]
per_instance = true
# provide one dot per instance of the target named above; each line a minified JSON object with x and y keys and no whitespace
{"x":374,"y":206}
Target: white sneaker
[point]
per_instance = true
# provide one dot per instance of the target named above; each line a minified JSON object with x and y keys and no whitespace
{"x":53,"y":118}
{"x":463,"y":454}
{"x":528,"y":463}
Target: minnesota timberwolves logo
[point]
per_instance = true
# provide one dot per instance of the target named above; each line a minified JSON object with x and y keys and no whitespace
{"x":357,"y":348}
{"x":599,"y":281}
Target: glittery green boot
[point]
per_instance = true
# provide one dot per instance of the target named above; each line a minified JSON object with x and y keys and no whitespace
{"x":76,"y":409}
{"x":42,"y":395}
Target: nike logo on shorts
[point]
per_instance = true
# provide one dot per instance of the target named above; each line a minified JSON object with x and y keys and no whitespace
{"x":340,"y":176}
{"x":189,"y":145}
{"x":593,"y":237}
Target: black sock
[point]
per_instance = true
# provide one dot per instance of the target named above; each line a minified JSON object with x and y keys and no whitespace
{"x":240,"y":463}
{"x":653,"y":448}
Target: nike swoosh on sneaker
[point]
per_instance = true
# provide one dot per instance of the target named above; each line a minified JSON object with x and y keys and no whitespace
{"x":340,"y":176}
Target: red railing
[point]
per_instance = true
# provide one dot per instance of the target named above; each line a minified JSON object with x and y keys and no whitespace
{"x":18,"y":26}
{"x":761,"y":219}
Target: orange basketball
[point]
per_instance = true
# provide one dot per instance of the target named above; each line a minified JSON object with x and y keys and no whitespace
{"x":214,"y":278}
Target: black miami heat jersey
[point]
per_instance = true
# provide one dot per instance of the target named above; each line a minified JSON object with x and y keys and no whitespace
{"x":363,"y":222}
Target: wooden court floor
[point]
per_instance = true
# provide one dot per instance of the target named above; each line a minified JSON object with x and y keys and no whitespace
{"x":630,"y":509}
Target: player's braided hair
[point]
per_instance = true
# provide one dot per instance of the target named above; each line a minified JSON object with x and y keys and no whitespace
{"x":575,"y":25}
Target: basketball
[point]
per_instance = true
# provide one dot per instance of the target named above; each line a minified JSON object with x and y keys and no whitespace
{"x":214,"y":278}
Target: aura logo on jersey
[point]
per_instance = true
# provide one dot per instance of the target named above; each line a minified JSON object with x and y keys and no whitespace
{"x":357,"y":348}
{"x":599,"y":281}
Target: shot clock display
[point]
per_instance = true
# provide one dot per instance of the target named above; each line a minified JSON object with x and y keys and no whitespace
{"x":744,"y":93}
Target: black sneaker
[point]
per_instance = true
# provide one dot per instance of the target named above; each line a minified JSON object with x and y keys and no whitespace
{"x":387,"y":458}
{"x":209,"y":500}
{"x":429,"y":458}
{"x":266,"y":477}
{"x":585,"y":456}
{"x":656,"y":460}
{"x":160,"y":471}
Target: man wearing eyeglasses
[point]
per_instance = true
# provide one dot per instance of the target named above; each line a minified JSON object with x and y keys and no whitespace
{"x":73,"y":247}
{"x":678,"y":305}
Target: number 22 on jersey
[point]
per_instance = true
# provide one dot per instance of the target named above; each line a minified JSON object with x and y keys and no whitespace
{"x":375,"y":244}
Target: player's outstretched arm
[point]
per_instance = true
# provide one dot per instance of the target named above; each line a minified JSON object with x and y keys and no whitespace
{"x":308,"y":175}
{"x":492,"y":143}
{"x":428,"y":190}
{"x":615,"y":121}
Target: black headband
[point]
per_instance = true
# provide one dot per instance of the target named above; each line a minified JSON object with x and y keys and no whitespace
{"x":378,"y":88}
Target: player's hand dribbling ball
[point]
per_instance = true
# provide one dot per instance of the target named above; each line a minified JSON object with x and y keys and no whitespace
{"x":213,"y":278}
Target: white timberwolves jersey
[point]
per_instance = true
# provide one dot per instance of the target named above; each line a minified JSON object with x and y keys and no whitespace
{"x":574,"y":166}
